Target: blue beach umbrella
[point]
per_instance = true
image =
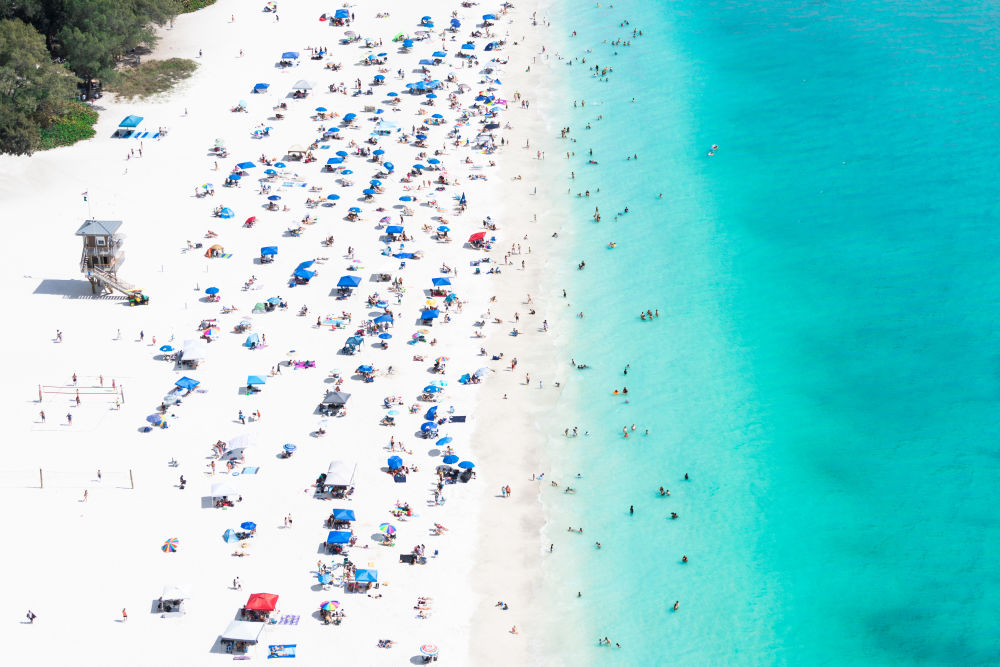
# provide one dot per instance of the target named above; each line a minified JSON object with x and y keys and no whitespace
{"x":166,"y":348}
{"x":378,"y":151}
{"x":432,"y":389}
{"x":321,"y":109}
{"x":437,"y":115}
{"x":468,"y":47}
{"x":342,"y":153}
{"x":392,"y":94}
{"x":375,"y":182}
{"x":365,"y":369}
{"x":421,"y":136}
{"x":390,"y":166}
{"x":395,"y":463}
{"x":234,"y":177}
{"x":428,"y":426}
{"x":419,"y":166}
{"x":385,"y":336}
{"x":248,"y":525}
{"x":333,"y":197}
{"x":431,"y":96}
{"x":368,"y":191}
{"x":270,"y":172}
{"x":451,"y":458}
{"x":354,"y":209}
{"x":466,"y":465}
{"x":444,"y":441}
{"x":434,"y":160}
{"x":279,"y":165}
{"x":406,"y":198}
{"x":154,"y":419}
{"x":274,"y":198}
{"x":226,"y":213}
{"x":211,"y":290}
{"x":346,"y":171}
{"x":444,"y":229}
{"x":289,"y":447}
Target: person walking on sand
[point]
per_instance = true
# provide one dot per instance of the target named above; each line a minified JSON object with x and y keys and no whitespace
{"x":85,"y":495}
{"x":69,"y":419}
{"x":242,"y":418}
{"x":124,"y":615}
{"x":98,"y":474}
{"x":42,"y":415}
{"x":31,"y":616}
{"x":507,"y":490}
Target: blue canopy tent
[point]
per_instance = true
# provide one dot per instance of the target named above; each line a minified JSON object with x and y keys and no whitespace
{"x":349,"y":281}
{"x":246,"y":165}
{"x":338,"y":537}
{"x":395,"y":463}
{"x":304,"y":274}
{"x":394,"y":229}
{"x":469,"y":47}
{"x":269,"y":250}
{"x":187,"y":383}
{"x":343,"y":515}
{"x":439,"y":54}
{"x":306,"y":264}
{"x":429,"y":314}
{"x":355,"y":340}
{"x":255,"y":379}
{"x":128,"y":126}
{"x":342,"y":14}
{"x":432,"y":413}
{"x":383,"y":319}
{"x":440,"y":282}
{"x":230,"y":536}
{"x":252,"y":340}
{"x":335,"y":160}
{"x":366,"y":576}
{"x":290,"y":55}
{"x":261,"y":87}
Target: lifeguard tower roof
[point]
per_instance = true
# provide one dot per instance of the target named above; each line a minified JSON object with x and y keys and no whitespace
{"x":99,"y":228}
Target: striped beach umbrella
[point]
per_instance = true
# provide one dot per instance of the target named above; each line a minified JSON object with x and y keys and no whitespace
{"x":170,"y":546}
{"x":387,"y":528}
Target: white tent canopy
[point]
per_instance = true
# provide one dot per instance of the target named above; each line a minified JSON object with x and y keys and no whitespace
{"x":194,"y":350}
{"x":243,"y":631}
{"x":220,"y":489}
{"x":176,"y":592}
{"x":242,"y":441}
{"x":302,"y":84}
{"x":341,"y":473}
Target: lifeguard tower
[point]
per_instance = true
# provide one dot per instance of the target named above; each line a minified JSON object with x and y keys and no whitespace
{"x":103,"y":256}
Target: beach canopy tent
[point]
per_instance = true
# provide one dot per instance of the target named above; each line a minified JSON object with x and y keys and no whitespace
{"x":290,"y":55}
{"x":429,"y":314}
{"x":478,"y":236}
{"x":349,"y":281}
{"x":252,"y":340}
{"x":187,"y":383}
{"x":343,"y":515}
{"x":342,"y":14}
{"x":255,"y":379}
{"x":261,"y":87}
{"x":304,"y":274}
{"x":302,"y":84}
{"x":440,"y":282}
{"x":394,"y":229}
{"x":223,"y":490}
{"x":366,"y":576}
{"x":383,"y":319}
{"x":243,"y":631}
{"x":128,"y":125}
{"x":338,"y":537}
{"x":175,"y":592}
{"x":341,"y":473}
{"x":269,"y":250}
{"x":240,"y":445}
{"x":262,"y":602}
{"x":194,"y":350}
{"x":336,"y":398}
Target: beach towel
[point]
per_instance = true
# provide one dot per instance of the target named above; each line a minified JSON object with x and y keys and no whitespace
{"x":281,"y":650}
{"x":226,"y":256}
{"x":324,"y":147}
{"x":289,"y":619}
{"x":251,"y":470}
{"x":457,"y":418}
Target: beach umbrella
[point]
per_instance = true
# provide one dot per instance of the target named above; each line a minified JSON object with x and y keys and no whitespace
{"x":279,"y":165}
{"x":383,"y":54}
{"x":478,"y":236}
{"x":380,"y":77}
{"x":290,"y":447}
{"x":252,"y":219}
{"x":431,"y":96}
{"x":434,"y":160}
{"x":365,"y":369}
{"x":166,"y":348}
{"x":392,"y":94}
{"x":466,"y":465}
{"x":342,"y":153}
{"x":455,"y":23}
{"x":330,"y":605}
{"x":212,"y":290}
{"x":230,"y":536}
{"x":325,"y":578}
{"x":333,"y":197}
{"x":444,"y":229}
{"x":270,"y":172}
{"x":382,"y":319}
{"x":368,"y":191}
{"x":408,"y":43}
{"x":395,"y":463}
{"x":418,"y":165}
{"x":378,"y":151}
{"x":429,"y":650}
{"x":345,"y":172}
{"x":274,"y":198}
{"x":321,"y":109}
{"x":234,"y":177}
{"x":451,"y":458}
{"x":248,"y":525}
{"x":154,"y":418}
{"x":444,"y":441}
{"x":432,"y":389}
{"x":428,"y":426}
{"x":385,"y":336}
{"x":354,"y":209}
{"x":469,"y":47}
{"x":437,"y":115}
{"x":170,"y":546}
{"x":406,"y":198}
{"x":226,"y":213}
{"x":387,"y":528}
{"x":389,"y":166}
{"x":375,"y":182}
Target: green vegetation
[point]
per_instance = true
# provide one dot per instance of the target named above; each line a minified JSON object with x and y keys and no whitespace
{"x":48,"y":46}
{"x":75,"y":125}
{"x":152,"y":77}
{"x":188,"y":6}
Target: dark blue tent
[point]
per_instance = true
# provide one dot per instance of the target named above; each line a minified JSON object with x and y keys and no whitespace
{"x":187,"y":383}
{"x":343,"y":515}
{"x":440,"y":282}
{"x":429,"y":314}
{"x":338,"y":537}
{"x":348,"y":281}
{"x":394,"y":229}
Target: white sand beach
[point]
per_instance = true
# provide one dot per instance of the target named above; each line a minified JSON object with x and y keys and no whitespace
{"x":82,"y":549}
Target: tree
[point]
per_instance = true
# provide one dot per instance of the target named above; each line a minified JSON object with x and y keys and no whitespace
{"x":33,"y":90}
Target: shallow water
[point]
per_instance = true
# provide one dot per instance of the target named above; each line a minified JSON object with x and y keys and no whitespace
{"x":824,"y":365}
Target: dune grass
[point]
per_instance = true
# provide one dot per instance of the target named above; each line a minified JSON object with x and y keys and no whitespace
{"x":152,"y":77}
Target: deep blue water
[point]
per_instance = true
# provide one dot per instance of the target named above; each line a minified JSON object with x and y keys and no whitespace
{"x":826,"y":364}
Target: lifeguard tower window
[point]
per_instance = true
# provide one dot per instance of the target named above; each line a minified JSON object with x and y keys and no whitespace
{"x":100,"y":241}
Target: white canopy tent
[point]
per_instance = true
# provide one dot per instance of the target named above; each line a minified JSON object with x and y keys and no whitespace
{"x":176,"y":592}
{"x":341,"y":473}
{"x":223,"y":489}
{"x":243,"y":631}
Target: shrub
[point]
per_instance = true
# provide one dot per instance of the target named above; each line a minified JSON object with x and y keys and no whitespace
{"x":75,"y":125}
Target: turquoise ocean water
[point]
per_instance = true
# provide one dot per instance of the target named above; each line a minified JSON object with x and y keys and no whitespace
{"x":826,"y":364}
